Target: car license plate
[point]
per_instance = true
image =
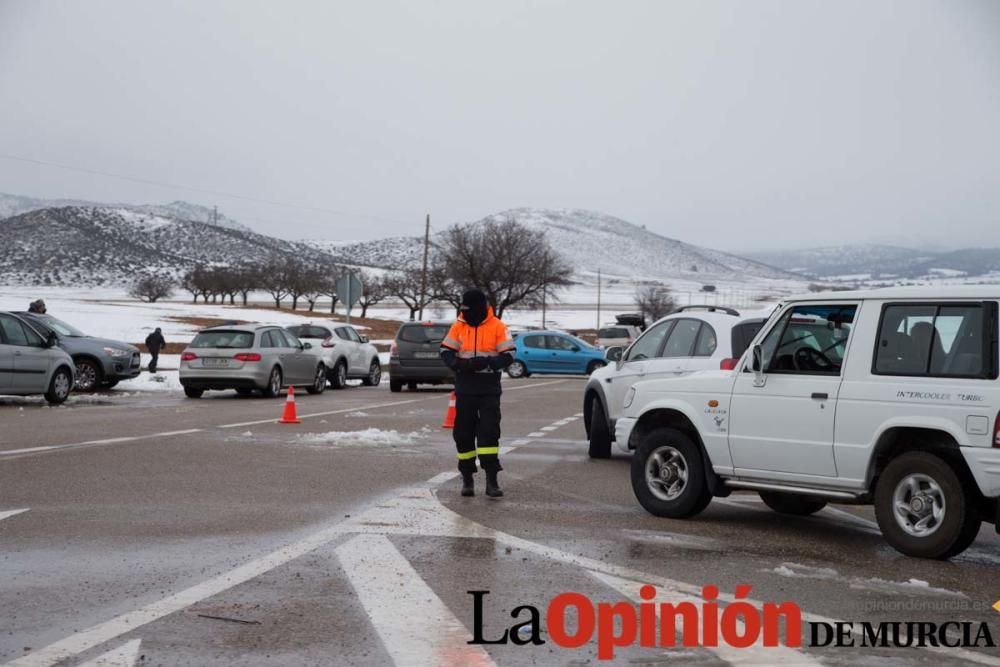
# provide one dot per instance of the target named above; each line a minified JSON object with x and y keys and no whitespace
{"x":216,"y":363}
{"x":425,"y":355}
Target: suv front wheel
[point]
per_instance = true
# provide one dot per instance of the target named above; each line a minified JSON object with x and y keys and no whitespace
{"x":668,"y":475}
{"x":922,"y":507}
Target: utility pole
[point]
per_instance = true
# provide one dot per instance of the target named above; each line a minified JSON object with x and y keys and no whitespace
{"x":215,"y":216}
{"x":423,"y":273}
{"x":598,"y":299}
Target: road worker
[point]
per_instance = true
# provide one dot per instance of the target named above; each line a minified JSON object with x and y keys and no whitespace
{"x":477,"y":347}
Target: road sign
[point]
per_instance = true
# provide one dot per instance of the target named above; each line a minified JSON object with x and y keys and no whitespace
{"x":349,"y":289}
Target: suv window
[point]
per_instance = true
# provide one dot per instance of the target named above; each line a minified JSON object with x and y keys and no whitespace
{"x":613,"y":332}
{"x":422,"y":333}
{"x":682,"y":338}
{"x":348,"y":334}
{"x":743,"y":333}
{"x":310,"y":331}
{"x":937,"y":340}
{"x":809,"y":339}
{"x":15,"y":333}
{"x":650,"y":343}
{"x":707,"y":342}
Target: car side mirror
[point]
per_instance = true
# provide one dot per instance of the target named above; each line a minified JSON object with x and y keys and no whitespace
{"x":757,"y":365}
{"x":575,"y":348}
{"x":614,"y":353}
{"x":365,"y":339}
{"x":305,"y":346}
{"x":52,"y":340}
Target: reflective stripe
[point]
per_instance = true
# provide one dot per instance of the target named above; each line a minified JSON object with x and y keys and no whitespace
{"x":472,"y":355}
{"x":487,"y":450}
{"x":506,"y":345}
{"x":452,"y":344}
{"x":464,"y":456}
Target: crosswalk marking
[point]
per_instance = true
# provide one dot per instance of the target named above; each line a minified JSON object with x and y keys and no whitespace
{"x":415,"y":626}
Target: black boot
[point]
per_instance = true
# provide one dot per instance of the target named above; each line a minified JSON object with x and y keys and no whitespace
{"x":492,"y":488}
{"x":468,"y":485}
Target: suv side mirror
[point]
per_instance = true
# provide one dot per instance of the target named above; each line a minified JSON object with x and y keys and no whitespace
{"x":52,"y":340}
{"x":614,"y":353}
{"x":305,"y":346}
{"x":757,"y":365}
{"x":365,"y":339}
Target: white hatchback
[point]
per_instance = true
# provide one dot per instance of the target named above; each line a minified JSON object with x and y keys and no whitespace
{"x":346,"y":353}
{"x":692,"y":339}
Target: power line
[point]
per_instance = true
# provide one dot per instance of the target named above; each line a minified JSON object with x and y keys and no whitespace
{"x":218,"y":193}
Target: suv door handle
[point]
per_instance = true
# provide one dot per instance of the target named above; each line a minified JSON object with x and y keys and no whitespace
{"x":820,"y":395}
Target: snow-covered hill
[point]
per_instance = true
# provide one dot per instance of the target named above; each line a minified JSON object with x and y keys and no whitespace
{"x":11,"y":205}
{"x":592,"y":241}
{"x":76,"y":245}
{"x":884,"y":262}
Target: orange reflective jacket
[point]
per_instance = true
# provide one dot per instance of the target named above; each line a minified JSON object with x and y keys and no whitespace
{"x":489,"y":339}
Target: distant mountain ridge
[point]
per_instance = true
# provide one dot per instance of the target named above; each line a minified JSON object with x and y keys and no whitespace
{"x":11,"y":205}
{"x":589,"y":241}
{"x":883,"y":261}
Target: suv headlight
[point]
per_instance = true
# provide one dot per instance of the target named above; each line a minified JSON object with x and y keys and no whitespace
{"x":117,"y":352}
{"x":629,"y":397}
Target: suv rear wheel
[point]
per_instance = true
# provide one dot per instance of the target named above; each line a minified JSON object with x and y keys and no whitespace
{"x":338,"y":378}
{"x":922,"y":507}
{"x":600,"y":436}
{"x":395,"y":386}
{"x":668,"y":475}
{"x":374,"y":376}
{"x":319,"y":382}
{"x":790,"y":503}
{"x":192,"y":392}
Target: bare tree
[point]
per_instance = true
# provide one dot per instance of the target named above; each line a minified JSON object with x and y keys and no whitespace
{"x":512,"y":263}
{"x":373,"y":290}
{"x":274,"y":280}
{"x":406,"y":286}
{"x":191,"y":282}
{"x":654,"y":301}
{"x":151,"y":288}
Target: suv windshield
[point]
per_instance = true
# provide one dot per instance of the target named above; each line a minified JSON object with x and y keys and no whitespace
{"x":423,"y":333}
{"x":308,"y":331}
{"x":224,"y":339}
{"x":613,"y":332}
{"x":60,"y":327}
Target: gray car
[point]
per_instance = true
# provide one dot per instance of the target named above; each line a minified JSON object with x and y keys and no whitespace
{"x":100,"y":363}
{"x":250,"y":358}
{"x":415,"y":356}
{"x":31,"y":363}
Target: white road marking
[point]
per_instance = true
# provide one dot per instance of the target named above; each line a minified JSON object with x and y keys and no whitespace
{"x":125,"y":655}
{"x":91,"y":443}
{"x":518,"y":443}
{"x":9,"y":513}
{"x":549,"y":428}
{"x":532,"y":386}
{"x":536,"y":434}
{"x":758,"y":654}
{"x":274,"y":419}
{"x":393,"y":595}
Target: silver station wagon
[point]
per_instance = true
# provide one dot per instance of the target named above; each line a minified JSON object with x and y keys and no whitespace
{"x":249,"y":358}
{"x":31,"y":363}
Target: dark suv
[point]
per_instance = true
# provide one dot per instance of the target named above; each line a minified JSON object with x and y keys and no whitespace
{"x":415,"y":356}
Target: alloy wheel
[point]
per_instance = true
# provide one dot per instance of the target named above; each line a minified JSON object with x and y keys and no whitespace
{"x":666,"y":473}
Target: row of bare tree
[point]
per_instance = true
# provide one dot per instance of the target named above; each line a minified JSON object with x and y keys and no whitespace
{"x":513,"y":264}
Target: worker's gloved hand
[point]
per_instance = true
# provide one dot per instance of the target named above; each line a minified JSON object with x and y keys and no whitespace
{"x":479,"y":363}
{"x":498,"y":363}
{"x":463,"y":365}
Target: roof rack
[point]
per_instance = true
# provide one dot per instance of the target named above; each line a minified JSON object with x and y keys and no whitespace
{"x":712,"y":309}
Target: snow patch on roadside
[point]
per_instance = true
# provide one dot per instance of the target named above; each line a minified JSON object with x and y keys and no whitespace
{"x":159,"y":381}
{"x":875,"y":584}
{"x":366,"y":437}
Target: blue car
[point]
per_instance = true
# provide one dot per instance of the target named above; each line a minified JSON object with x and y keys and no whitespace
{"x":554,"y":352}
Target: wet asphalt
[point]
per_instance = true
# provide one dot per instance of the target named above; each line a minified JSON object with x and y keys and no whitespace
{"x":160,"y":530}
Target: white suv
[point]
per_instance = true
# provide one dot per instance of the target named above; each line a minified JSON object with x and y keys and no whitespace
{"x":886,"y":397}
{"x":345,"y":353}
{"x":692,"y":339}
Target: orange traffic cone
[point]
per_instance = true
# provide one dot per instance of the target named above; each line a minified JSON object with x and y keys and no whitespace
{"x":449,"y":415}
{"x":289,"y":416}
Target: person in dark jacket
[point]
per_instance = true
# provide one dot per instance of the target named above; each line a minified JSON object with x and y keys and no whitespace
{"x":37,"y":306}
{"x":477,"y":347}
{"x":155,"y":343}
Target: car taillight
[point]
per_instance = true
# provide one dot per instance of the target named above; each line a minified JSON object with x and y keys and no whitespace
{"x":189,"y":356}
{"x":247,"y":356}
{"x":394,"y":349}
{"x":728,"y":364}
{"x":996,"y":432}
{"x":328,"y":342}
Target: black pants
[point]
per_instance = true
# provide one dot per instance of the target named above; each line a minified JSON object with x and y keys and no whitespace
{"x":152,"y":362}
{"x":477,"y":431}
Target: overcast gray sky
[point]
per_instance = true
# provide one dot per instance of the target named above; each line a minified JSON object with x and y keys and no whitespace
{"x":739,"y":125}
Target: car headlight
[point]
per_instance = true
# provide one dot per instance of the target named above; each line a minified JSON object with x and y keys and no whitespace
{"x":629,"y":397}
{"x":117,"y":352}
